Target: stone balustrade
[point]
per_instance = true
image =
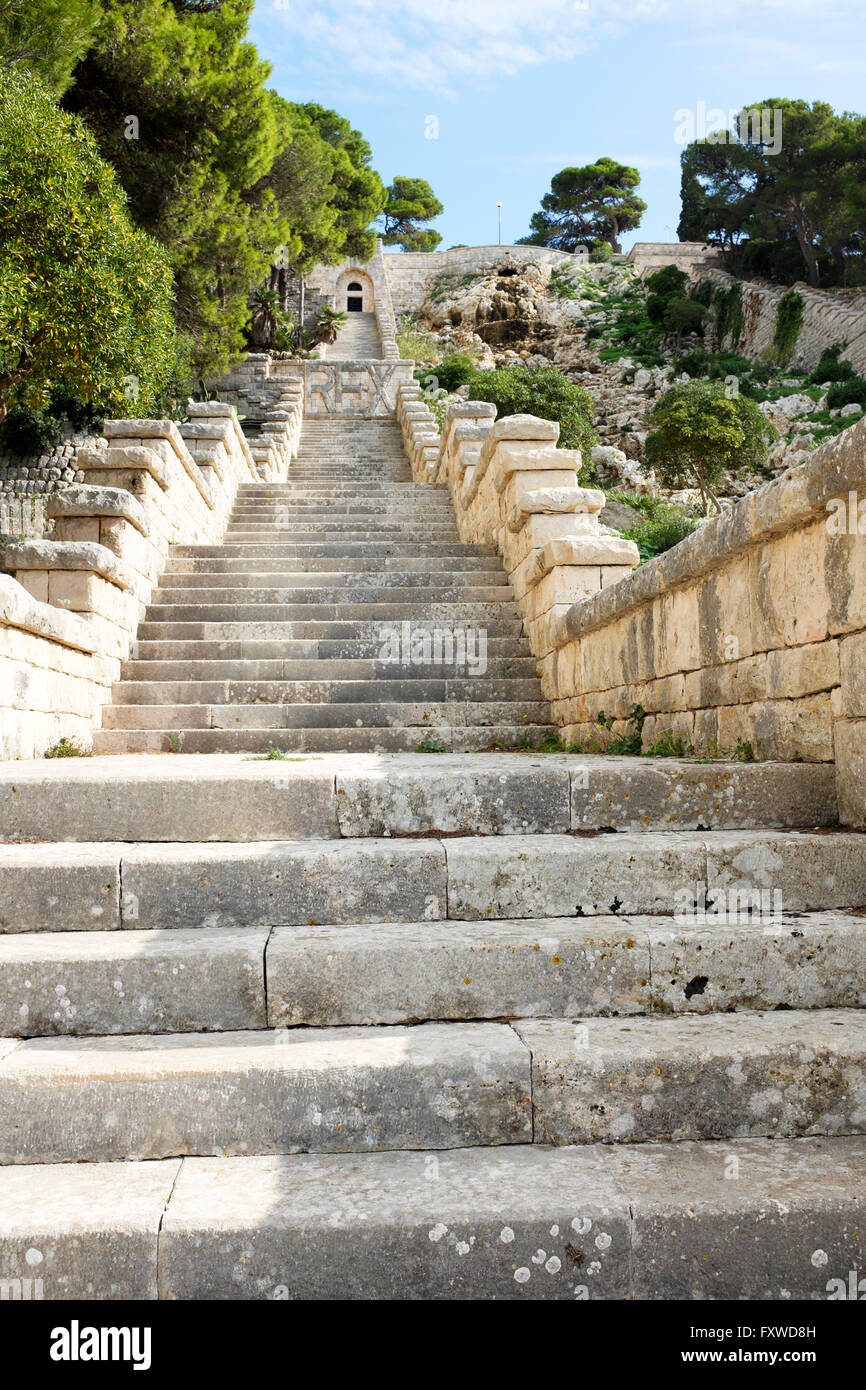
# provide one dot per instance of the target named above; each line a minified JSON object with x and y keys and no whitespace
{"x":70,"y":607}
{"x":514,"y":489}
{"x":420,"y":432}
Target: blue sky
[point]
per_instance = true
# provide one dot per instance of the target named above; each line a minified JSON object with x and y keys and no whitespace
{"x":522,"y":88}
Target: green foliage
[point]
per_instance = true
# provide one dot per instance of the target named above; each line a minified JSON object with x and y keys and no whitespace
{"x":588,"y":206}
{"x":85,"y":297}
{"x":728,"y":315}
{"x":455,"y":369}
{"x":542,"y":391}
{"x":832,"y":367}
{"x":411,"y":203}
{"x":851,"y":391}
{"x":67,"y":748}
{"x":601,"y":252}
{"x":431,"y":745}
{"x":782,"y":201}
{"x":665,"y":527}
{"x":668,"y":283}
{"x":415,"y":343}
{"x":684,"y":316}
{"x":356,"y":193}
{"x":561,"y":283}
{"x":46,"y":36}
{"x":698,"y":433}
{"x":630,"y":744}
{"x":668,"y":745}
{"x":24,"y":432}
{"x":703,"y":292}
{"x":789,"y":321}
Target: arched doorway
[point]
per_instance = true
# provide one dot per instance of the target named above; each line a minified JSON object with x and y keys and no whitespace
{"x":353,"y":292}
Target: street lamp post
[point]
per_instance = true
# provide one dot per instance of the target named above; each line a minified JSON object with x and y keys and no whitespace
{"x":499,"y":206}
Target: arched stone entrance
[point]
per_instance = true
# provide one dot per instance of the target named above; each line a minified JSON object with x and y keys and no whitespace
{"x":354,"y":293}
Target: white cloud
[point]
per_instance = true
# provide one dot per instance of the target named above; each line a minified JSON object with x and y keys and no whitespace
{"x":436,"y":45}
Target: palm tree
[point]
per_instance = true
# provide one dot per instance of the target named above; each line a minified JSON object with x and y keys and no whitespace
{"x":328,"y":324}
{"x":266,"y":316}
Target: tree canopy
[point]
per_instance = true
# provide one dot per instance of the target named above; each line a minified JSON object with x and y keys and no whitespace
{"x":411,"y":203}
{"x":698,"y":431}
{"x":790,"y":207}
{"x":596,"y":203}
{"x":85,"y":297}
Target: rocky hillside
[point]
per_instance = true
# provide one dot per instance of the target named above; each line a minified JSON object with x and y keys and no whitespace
{"x":591,"y":323}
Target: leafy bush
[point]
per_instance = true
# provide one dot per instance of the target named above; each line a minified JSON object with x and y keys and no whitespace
{"x":67,"y":748}
{"x":26,"y":431}
{"x":663,"y":528}
{"x":831,"y":368}
{"x":601,"y":252}
{"x":455,"y":369}
{"x":851,"y":391}
{"x":728,"y":315}
{"x":545,"y":392}
{"x":668,"y":283}
{"x":698,"y":432}
{"x":703,"y":293}
{"x":84,"y":295}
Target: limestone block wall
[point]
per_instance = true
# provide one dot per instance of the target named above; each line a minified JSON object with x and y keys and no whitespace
{"x":753,"y":628}
{"x":827,"y":319}
{"x":70,"y":607}
{"x":513,"y":488}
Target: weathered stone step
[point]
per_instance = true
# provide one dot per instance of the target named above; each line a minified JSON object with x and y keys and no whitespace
{"x":353,"y":587}
{"x":380,"y":571}
{"x":448,"y":684}
{"x":386,"y":973}
{"x":725,"y":1076}
{"x":497,"y":625}
{"x":413,"y":553}
{"x":524,"y":1222}
{"x":457,"y":739}
{"x":318,"y":669}
{"x":77,"y":886}
{"x":424,"y":608}
{"x":240,"y":799}
{"x":436,"y":1086}
{"x":378,"y":711}
{"x":504,"y":649}
{"x":81,"y":983}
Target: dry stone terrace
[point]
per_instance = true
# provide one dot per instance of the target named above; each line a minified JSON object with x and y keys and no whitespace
{"x":351,"y":1019}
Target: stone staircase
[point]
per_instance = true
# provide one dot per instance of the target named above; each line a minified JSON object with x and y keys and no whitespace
{"x":406,"y":1026}
{"x":358,"y":338}
{"x":306,"y":629}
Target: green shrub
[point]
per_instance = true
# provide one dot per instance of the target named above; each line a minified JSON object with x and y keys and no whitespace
{"x":26,"y":431}
{"x":664,"y":528}
{"x":84,"y":295}
{"x":542,"y":391}
{"x":789,"y":321}
{"x":703,"y":292}
{"x":455,"y":369}
{"x":601,"y":252}
{"x":848,"y":392}
{"x":831,"y":368}
{"x":668,"y":283}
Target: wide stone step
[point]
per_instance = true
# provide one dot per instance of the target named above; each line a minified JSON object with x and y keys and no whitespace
{"x":437,"y":1086}
{"x":238,"y":798}
{"x":465,"y":738}
{"x":414,"y":555}
{"x":698,"y":879}
{"x":193,"y":980}
{"x":378,"y":711}
{"x":192,"y":669}
{"x":175,"y":657}
{"x":643,"y":1221}
{"x":362,"y":629}
{"x":424,"y":608}
{"x":381,"y":571}
{"x":448,"y":683}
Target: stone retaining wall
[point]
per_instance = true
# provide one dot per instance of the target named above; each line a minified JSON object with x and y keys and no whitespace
{"x":753,"y":628}
{"x":828,"y":319}
{"x":70,"y":607}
